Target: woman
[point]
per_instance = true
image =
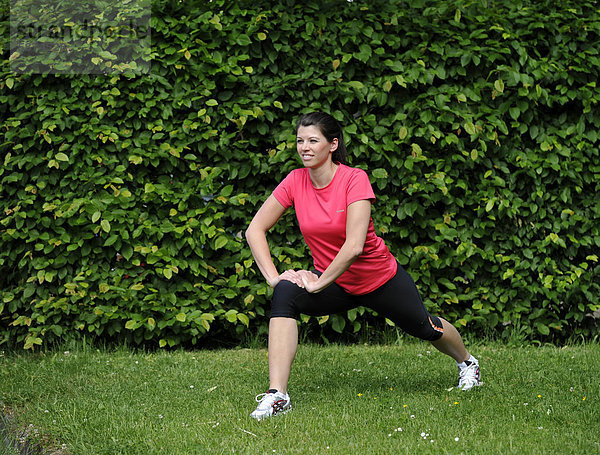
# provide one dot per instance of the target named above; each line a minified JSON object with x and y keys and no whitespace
{"x":353,"y":266}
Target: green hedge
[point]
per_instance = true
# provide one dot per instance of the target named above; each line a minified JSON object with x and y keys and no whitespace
{"x":124,"y":198}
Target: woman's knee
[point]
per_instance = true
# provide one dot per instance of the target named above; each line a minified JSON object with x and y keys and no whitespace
{"x":430,"y":329}
{"x":282,"y":303}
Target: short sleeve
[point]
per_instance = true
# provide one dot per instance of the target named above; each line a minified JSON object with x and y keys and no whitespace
{"x":359,"y":187}
{"x":284,"y":192}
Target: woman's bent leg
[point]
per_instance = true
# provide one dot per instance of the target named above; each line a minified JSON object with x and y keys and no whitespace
{"x":283,"y":343}
{"x":289,"y":300}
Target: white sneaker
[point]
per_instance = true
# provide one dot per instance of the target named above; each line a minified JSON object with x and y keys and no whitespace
{"x":469,"y":375}
{"x":271,"y":404}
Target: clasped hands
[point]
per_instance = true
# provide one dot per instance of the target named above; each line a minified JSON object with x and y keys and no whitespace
{"x":303,"y":278}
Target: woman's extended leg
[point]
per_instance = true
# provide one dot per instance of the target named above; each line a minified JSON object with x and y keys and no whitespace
{"x":451,"y":343}
{"x":283,"y":343}
{"x":400,"y":301}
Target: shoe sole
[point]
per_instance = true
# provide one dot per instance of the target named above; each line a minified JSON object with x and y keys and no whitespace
{"x":272,"y":415}
{"x":472,"y":387}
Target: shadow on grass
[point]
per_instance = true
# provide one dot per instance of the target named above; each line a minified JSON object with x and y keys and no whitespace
{"x":21,"y":441}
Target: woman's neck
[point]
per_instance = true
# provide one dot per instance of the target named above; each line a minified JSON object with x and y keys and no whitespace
{"x":322,"y":175}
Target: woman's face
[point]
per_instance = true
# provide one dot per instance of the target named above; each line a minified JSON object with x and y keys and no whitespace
{"x":314,"y":149}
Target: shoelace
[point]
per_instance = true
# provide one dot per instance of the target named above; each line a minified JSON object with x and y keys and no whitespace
{"x":267,"y":398}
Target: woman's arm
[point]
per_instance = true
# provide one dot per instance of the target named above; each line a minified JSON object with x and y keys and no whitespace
{"x":357,"y":224}
{"x":265,"y":219}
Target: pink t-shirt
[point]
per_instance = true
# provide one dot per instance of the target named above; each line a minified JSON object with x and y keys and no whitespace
{"x":321,"y":213}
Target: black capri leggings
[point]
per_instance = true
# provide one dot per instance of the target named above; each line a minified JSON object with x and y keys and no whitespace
{"x":397,"y":300}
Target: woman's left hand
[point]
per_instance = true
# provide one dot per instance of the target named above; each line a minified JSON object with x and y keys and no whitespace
{"x":309,"y":279}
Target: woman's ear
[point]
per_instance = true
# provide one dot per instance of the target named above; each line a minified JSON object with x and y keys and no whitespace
{"x":334,"y":145}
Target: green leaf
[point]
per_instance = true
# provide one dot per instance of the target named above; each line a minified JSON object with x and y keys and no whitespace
{"x":338,"y":323}
{"x":470,"y":128}
{"x":96,"y":216}
{"x":356,"y":85}
{"x":181,"y":317}
{"x":111,"y":240}
{"x":105,"y":225}
{"x":220,"y":242}
{"x":243,"y":319}
{"x":499,"y":85}
{"x":231,"y":315}
{"x":130,"y":325}
{"x":542,"y":328}
{"x":402,"y":133}
{"x":127,"y":252}
{"x":379,"y":173}
{"x":107,"y":55}
{"x":61,"y":157}
{"x":243,"y":40}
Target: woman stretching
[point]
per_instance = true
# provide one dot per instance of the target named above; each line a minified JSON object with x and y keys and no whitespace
{"x":353,"y":266}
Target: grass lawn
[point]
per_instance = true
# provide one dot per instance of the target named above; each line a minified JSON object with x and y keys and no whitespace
{"x":347,"y":400}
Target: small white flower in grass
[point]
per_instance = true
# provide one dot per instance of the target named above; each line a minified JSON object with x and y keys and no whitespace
{"x":412,"y":416}
{"x":540,"y":428}
{"x":160,"y":416}
{"x":191,"y":387}
{"x":46,"y":411}
{"x":457,"y":439}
